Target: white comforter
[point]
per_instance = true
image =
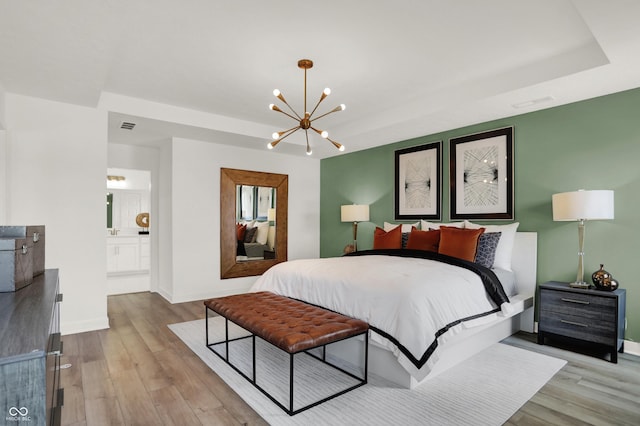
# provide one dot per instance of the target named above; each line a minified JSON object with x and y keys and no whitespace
{"x":410,"y":299}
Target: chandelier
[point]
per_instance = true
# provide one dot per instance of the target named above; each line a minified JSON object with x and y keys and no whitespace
{"x":305,"y":122}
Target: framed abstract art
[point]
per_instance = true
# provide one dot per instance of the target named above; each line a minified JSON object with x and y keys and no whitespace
{"x":418,"y":181}
{"x":481,"y":175}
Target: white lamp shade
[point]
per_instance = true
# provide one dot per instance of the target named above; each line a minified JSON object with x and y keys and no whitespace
{"x":582,"y":205}
{"x":354,"y":213}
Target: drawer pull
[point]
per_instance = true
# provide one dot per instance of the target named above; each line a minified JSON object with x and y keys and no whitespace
{"x":583,"y":302}
{"x":574,"y":323}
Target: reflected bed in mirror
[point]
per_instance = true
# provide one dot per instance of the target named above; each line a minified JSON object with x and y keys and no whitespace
{"x":258,"y":202}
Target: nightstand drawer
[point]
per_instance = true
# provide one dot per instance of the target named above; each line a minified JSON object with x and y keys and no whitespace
{"x":579,"y":327}
{"x":591,"y":307}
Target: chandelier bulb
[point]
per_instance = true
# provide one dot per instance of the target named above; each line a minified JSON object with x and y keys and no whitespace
{"x":270,"y":145}
{"x":343,"y":107}
{"x":327,"y":91}
{"x":341,"y":148}
{"x":271,"y":107}
{"x":324,"y":134}
{"x":275,"y":135}
{"x":309,"y":152}
{"x":276,"y":92}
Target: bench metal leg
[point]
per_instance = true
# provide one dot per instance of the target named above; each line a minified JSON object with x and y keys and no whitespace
{"x":289,"y":410}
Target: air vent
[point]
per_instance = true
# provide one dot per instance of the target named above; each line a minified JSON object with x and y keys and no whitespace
{"x":126,"y":125}
{"x":533,"y":102}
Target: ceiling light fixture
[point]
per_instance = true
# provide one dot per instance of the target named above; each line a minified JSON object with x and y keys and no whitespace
{"x":305,"y":122}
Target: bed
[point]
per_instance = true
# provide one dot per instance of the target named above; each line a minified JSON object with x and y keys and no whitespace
{"x":394,"y":305}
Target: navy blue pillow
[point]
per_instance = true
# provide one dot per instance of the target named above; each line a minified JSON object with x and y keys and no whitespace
{"x":486,"y":251}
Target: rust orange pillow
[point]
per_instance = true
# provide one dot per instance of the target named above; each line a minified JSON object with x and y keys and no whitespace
{"x":460,"y":243}
{"x":240,"y":230}
{"x":387,"y":240}
{"x":424,"y":240}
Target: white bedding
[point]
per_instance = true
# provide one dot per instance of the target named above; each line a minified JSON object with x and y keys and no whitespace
{"x":410,"y":299}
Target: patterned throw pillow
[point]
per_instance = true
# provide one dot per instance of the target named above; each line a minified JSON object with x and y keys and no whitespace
{"x":250,"y":235}
{"x":486,"y":251}
{"x":405,"y":239}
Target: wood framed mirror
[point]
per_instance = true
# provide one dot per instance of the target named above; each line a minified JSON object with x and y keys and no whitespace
{"x":231,"y":266}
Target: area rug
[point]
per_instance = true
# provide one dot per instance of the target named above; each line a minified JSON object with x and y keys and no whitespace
{"x":486,"y":389}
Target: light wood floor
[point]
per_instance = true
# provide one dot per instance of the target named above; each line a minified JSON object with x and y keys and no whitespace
{"x":138,"y":372}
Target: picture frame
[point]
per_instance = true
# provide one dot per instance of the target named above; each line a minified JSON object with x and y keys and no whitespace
{"x":481,"y":175}
{"x":418,"y":182}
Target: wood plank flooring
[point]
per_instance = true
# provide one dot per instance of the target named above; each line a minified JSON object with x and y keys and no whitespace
{"x":139,"y":373}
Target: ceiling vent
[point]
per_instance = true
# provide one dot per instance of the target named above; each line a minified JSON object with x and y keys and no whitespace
{"x":533,"y":102}
{"x":126,"y":125}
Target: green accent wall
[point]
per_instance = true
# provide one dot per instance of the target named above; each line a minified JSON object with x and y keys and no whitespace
{"x":592,"y":144}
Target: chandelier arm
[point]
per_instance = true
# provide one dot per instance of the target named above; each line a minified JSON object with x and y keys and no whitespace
{"x":288,"y":130}
{"x":306,"y":132}
{"x":336,"y":109}
{"x":276,"y":142}
{"x":275,"y":108}
{"x":281,"y":97}
{"x":291,"y":131}
{"x":318,"y":104}
{"x":336,"y":144}
{"x":316,"y":130}
{"x":293,"y":111}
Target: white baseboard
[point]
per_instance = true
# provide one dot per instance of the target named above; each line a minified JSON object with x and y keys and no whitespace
{"x":632,"y":348}
{"x":84,"y":326}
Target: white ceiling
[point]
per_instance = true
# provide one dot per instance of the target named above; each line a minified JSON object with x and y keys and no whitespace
{"x":404,"y":69}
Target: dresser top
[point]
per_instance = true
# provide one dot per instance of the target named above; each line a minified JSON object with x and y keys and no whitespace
{"x":25,"y":318}
{"x":557,"y":285}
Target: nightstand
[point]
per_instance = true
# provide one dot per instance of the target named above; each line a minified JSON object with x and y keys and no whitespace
{"x":269,"y":254}
{"x":592,"y":316}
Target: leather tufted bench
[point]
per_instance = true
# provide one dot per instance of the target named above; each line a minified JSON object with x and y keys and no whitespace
{"x":290,"y":325}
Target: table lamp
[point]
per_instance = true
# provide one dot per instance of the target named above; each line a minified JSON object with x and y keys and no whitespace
{"x":354,"y":213}
{"x":581,"y":206}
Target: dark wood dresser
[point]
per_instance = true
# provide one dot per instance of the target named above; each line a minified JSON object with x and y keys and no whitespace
{"x":592,"y":316}
{"x":30,"y":351}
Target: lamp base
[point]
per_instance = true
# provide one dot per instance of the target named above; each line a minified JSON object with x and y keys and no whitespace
{"x":582,"y":284}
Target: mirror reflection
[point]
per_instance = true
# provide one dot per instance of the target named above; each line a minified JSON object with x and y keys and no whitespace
{"x":258,"y":200}
{"x":255,"y":222}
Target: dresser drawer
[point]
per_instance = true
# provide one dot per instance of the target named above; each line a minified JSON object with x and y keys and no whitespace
{"x":593,"y":308}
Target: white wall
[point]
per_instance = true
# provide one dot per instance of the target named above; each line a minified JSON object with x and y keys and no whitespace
{"x":56,"y":178}
{"x":3,"y":158}
{"x":4,"y":162}
{"x":2,"y":108}
{"x":165,"y":220}
{"x":195,"y":210}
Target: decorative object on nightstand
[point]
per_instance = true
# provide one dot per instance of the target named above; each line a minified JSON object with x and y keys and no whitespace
{"x":354,"y":213}
{"x":582,"y":206}
{"x":604,"y":280}
{"x":588,"y":316}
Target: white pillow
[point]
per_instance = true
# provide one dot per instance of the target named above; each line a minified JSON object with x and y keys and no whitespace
{"x":406,"y":227}
{"x":504,"y":251}
{"x":425,"y":225}
{"x":262,"y":233}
